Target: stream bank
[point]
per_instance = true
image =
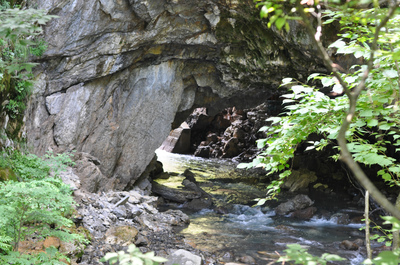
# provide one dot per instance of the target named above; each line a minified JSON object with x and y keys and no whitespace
{"x":228,"y":229}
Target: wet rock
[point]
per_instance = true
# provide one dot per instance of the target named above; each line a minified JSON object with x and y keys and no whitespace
{"x":341,"y":218}
{"x":351,"y":245}
{"x":378,"y":250}
{"x":221,"y":210}
{"x":227,"y":256}
{"x":271,"y":255}
{"x":175,"y":195}
{"x":357,"y":220}
{"x":189,"y":175}
{"x":163,"y":175}
{"x":212,"y":138}
{"x":199,"y":204}
{"x":299,"y":202}
{"x":285,"y":228}
{"x":247,"y":259}
{"x":183,"y":257}
{"x":304,"y":214}
{"x":299,"y":180}
{"x":203,"y":151}
{"x":231,"y":148}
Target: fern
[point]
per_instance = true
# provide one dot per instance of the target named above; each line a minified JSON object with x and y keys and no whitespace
{"x":5,"y":242}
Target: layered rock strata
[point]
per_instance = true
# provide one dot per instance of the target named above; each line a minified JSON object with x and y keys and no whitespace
{"x":118,"y":75}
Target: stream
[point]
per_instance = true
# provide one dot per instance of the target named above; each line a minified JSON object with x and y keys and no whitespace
{"x":257,"y":232}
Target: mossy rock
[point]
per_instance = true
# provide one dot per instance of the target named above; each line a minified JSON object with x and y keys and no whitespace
{"x":121,"y":235}
{"x":7,"y":174}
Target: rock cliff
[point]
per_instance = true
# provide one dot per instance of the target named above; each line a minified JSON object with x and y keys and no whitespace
{"x":119,"y":74}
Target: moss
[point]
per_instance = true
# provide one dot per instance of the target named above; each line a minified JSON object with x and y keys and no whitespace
{"x":7,"y":174}
{"x":126,"y":233}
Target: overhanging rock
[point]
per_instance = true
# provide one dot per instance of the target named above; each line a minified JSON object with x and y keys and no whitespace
{"x":118,"y":75}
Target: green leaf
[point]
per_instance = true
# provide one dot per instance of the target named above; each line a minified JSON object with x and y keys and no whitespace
{"x":286,"y":81}
{"x":385,"y":126}
{"x":264,"y":12}
{"x":366,"y":113}
{"x":280,"y":22}
{"x":372,"y":122}
{"x":386,"y":258}
{"x":390,"y":73}
{"x":392,"y":221}
{"x":338,"y":44}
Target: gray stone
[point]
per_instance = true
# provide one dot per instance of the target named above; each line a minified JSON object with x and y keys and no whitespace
{"x":119,"y":75}
{"x":299,"y":202}
{"x":183,"y":257}
{"x":120,"y":212}
{"x":54,"y":103}
{"x":70,"y":178}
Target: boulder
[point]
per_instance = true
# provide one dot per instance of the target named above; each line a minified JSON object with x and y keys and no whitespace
{"x":91,"y":178}
{"x":299,"y":180}
{"x":351,"y":245}
{"x":341,"y":218}
{"x":121,"y":235}
{"x":304,"y":214}
{"x":178,"y":140}
{"x":175,"y":195}
{"x":247,"y":260}
{"x":203,"y":151}
{"x":183,"y":257}
{"x":231,"y":148}
{"x":299,"y":202}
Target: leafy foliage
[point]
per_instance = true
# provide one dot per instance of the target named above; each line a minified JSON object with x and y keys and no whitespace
{"x":30,"y":166}
{"x":385,"y":258}
{"x":35,"y":207}
{"x":51,"y":257}
{"x":133,"y":257}
{"x":299,"y":255}
{"x":38,"y":205}
{"x":375,"y":126}
{"x":19,"y":39}
{"x":363,"y":123}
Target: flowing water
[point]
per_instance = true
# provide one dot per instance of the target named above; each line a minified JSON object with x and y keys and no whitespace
{"x":257,"y":231}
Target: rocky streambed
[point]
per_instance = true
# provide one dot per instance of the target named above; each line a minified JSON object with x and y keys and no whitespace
{"x":116,"y":219}
{"x":201,"y":210}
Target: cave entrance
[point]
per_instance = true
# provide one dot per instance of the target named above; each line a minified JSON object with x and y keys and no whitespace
{"x":230,"y":133}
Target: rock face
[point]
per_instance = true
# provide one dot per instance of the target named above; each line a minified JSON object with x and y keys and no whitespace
{"x":118,"y":75}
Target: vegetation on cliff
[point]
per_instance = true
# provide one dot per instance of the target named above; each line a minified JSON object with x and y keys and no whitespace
{"x":20,"y":42}
{"x":35,"y":204}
